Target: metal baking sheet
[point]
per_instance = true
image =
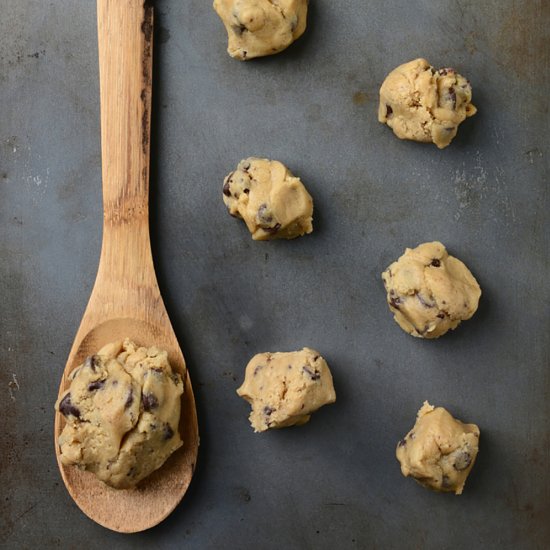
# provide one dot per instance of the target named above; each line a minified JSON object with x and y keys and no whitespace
{"x":334,"y":482}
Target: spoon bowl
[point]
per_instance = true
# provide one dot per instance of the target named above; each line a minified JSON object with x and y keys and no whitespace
{"x":126,"y":300}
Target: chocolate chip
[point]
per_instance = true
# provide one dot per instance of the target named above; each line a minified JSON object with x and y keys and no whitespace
{"x":441,"y":315}
{"x":98,"y":384}
{"x":246,"y":191}
{"x":257,"y":369}
{"x":238,"y":29}
{"x":272,"y":230}
{"x":149,"y":401}
{"x":314,"y":375}
{"x":226,"y":190}
{"x":92,"y":361}
{"x":445,"y":71}
{"x":66,"y":408}
{"x":389,"y":111}
{"x":395,"y":302}
{"x":129,"y":399}
{"x":264,"y":215}
{"x":424,"y":302}
{"x":402,"y":443}
{"x":435,"y":263}
{"x":268,"y":411}
{"x":462,"y":460}
{"x":411,"y":435}
{"x":452,"y":96}
{"x":168,"y":432}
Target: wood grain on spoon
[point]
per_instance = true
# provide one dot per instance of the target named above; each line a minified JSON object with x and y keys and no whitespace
{"x":126,"y":300}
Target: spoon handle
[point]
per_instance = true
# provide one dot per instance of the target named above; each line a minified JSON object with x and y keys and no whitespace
{"x":125,"y":37}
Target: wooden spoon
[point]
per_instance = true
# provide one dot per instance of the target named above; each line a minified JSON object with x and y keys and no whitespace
{"x":126,"y":300}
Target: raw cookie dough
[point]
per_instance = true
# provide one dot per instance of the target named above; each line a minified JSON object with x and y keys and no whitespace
{"x":261,"y":27}
{"x":439,"y":451}
{"x":272,"y":202}
{"x":430,"y":292}
{"x":425,"y":104}
{"x":122,"y":411}
{"x":285,"y":388}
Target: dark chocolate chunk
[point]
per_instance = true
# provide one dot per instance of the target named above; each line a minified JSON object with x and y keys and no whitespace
{"x":226,"y":190}
{"x":129,"y":399}
{"x":257,"y":369}
{"x":452,"y":96}
{"x":268,"y":411}
{"x":441,"y":315}
{"x":272,"y":230}
{"x":462,"y":460}
{"x":97,"y":385}
{"x":435,"y":263}
{"x":168,"y":432}
{"x":395,"y":302}
{"x":314,"y":375}
{"x":424,"y":302}
{"x":246,"y":191}
{"x":264,"y":215}
{"x":446,"y":70}
{"x":92,"y":361}
{"x":66,"y":408}
{"x":402,"y":443}
{"x":238,"y":29}
{"x":149,"y":401}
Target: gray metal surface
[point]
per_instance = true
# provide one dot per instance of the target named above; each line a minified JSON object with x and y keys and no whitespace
{"x":333,"y":483}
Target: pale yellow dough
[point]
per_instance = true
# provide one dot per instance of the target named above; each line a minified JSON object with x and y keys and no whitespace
{"x":261,"y":27}
{"x":122,"y":412}
{"x":421,"y":103}
{"x":430,"y":292}
{"x":439,"y":451}
{"x":272,"y":202}
{"x":284,"y":389}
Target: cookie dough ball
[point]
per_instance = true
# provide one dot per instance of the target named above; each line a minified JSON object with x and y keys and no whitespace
{"x":439,"y":451}
{"x":425,"y":104}
{"x":430,"y":292}
{"x":285,"y":388}
{"x":122,"y":411}
{"x":272,"y":202}
{"x":261,"y":27}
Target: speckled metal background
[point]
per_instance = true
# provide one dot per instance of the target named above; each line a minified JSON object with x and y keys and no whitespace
{"x":333,"y":483}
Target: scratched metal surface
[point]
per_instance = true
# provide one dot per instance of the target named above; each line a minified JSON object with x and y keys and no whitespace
{"x":335,"y":482}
